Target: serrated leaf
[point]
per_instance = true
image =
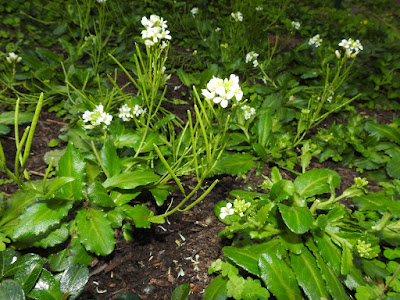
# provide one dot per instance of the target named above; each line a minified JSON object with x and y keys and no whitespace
{"x":329,"y":252}
{"x":282,"y":190}
{"x":181,"y":292}
{"x":71,"y":164}
{"x":76,"y":254}
{"x":41,"y":216}
{"x":314,"y":182}
{"x":28,"y":273}
{"x":7,"y":118}
{"x":98,"y":195}
{"x":55,"y":184}
{"x":11,"y":290}
{"x":347,"y":261}
{"x":393,"y":166}
{"x":234,"y":164}
{"x":17,"y":203}
{"x":161,"y":193}
{"x":297,"y":219}
{"x":278,"y":277}
{"x":139,"y":214}
{"x":95,"y":231}
{"x":73,"y":280}
{"x":131,"y":180}
{"x":110,"y":159}
{"x":308,"y":275}
{"x":216,"y":290}
{"x":383,"y":131}
{"x":333,"y":285}
{"x":46,"y":288}
{"x":7,"y":257}
{"x":264,"y":127}
{"x":54,"y":237}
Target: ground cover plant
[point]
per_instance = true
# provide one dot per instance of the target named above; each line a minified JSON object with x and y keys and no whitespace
{"x":201,"y":150}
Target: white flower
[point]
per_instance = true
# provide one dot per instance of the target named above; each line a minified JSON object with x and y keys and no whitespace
{"x":237,"y":16}
{"x":194,"y":10}
{"x":255,"y":63}
{"x":101,"y":1}
{"x":251,"y":56}
{"x":351,"y":47}
{"x":222,"y":91}
{"x":248,"y":111}
{"x":125,"y":113}
{"x":12,"y":57}
{"x":296,"y":25}
{"x":96,"y":117}
{"x":338,"y":55}
{"x":226,"y":211}
{"x":138,"y":110}
{"x":217,"y":29}
{"x":259,"y":8}
{"x":315,"y":40}
{"x":155,"y":30}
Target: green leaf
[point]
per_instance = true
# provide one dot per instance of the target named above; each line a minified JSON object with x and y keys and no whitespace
{"x":308,"y":275}
{"x":46,"y":288}
{"x":55,"y":184}
{"x":17,"y":203}
{"x":264,"y":127}
{"x":54,"y":237}
{"x":187,"y":79}
{"x":127,"y":295}
{"x":139,"y":214}
{"x":98,"y":195}
{"x":161,"y":193}
{"x":11,"y":290}
{"x":333,"y":285}
{"x":282,"y":190}
{"x":7,"y":257}
{"x":347,"y":261}
{"x":131,"y":180}
{"x":216,"y":290}
{"x":41,"y":216}
{"x":297,"y":219}
{"x":110,"y":159}
{"x":253,"y":290}
{"x":315,"y":182}
{"x":75,"y":254}
{"x":7,"y":118}
{"x":28,"y":273}
{"x":71,"y":164}
{"x":73,"y":280}
{"x":4,"y":129}
{"x":95,"y":231}
{"x":278,"y":277}
{"x":329,"y":252}
{"x":393,"y":166}
{"x":181,"y":292}
{"x":383,"y":131}
{"x":234,"y":164}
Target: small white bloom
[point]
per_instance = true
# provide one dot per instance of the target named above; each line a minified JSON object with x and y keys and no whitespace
{"x":315,"y":41}
{"x":237,"y":16}
{"x":338,"y":55}
{"x":101,"y":1}
{"x":296,"y":25}
{"x":259,"y":8}
{"x":255,"y":63}
{"x":12,"y":57}
{"x":217,"y":29}
{"x":194,"y":10}
{"x":248,"y":111}
{"x":96,"y":117}
{"x":351,"y":47}
{"x":226,"y":211}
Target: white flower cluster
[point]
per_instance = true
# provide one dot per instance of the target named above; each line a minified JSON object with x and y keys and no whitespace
{"x":194,"y":11}
{"x":237,"y":16}
{"x":351,"y":47}
{"x":248,"y":111}
{"x":221,"y":91}
{"x":315,"y":41}
{"x":296,"y":25}
{"x":156,"y":30}
{"x":101,"y":1}
{"x":239,"y":206}
{"x":12,"y":57}
{"x":126,"y":113}
{"x":252,"y":57}
{"x":96,"y":117}
{"x":259,"y":8}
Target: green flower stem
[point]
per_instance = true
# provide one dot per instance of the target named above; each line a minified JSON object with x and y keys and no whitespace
{"x":96,"y":153}
{"x":46,"y":175}
{"x":382,"y":222}
{"x":18,"y":155}
{"x":314,"y":206}
{"x":201,"y":197}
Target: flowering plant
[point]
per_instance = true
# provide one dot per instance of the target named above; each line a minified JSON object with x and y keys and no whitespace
{"x":222,"y":91}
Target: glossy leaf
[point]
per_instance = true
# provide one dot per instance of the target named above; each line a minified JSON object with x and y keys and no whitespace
{"x":329,"y":252}
{"x":110,"y":159}
{"x":98,"y":195}
{"x":216,"y":290}
{"x":46,"y":288}
{"x":139,"y":214}
{"x":71,"y":164}
{"x":278,"y":277}
{"x":308,"y":275}
{"x":181,"y":292}
{"x":315,"y":182}
{"x":95,"y":231}
{"x":17,"y":203}
{"x":75,"y":254}
{"x":297,"y":219}
{"x":393,"y":166}
{"x":131,"y":180}
{"x":7,"y":118}
{"x":7,"y":257}
{"x":54,"y":237}
{"x":55,"y":185}
{"x":29,"y":272}
{"x":234,"y":164}
{"x":161,"y":193}
{"x":41,"y":216}
{"x":282,"y":190}
{"x":264,"y":127}
{"x":383,"y":131}
{"x":347,"y":261}
{"x":11,"y":290}
{"x":73,"y":280}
